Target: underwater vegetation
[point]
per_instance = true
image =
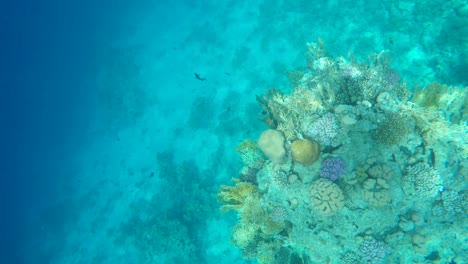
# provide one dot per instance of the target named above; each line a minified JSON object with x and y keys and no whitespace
{"x":165,"y":227}
{"x":354,"y":168}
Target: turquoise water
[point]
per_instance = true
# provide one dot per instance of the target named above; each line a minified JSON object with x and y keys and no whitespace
{"x":127,"y":118}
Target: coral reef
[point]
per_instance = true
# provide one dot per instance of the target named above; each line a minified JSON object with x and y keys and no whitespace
{"x":403,"y":182}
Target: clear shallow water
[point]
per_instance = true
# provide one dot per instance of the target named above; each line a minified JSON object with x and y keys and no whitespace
{"x":120,"y":149}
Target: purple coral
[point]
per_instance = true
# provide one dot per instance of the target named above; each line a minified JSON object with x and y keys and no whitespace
{"x":373,"y":251}
{"x":324,"y":129}
{"x":332,"y":168}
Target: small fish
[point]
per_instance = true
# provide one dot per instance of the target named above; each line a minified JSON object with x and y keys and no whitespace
{"x":199,"y":77}
{"x":432,"y":158}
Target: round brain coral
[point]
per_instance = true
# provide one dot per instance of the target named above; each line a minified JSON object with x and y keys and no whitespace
{"x":271,"y":142}
{"x":326,"y":197}
{"x":305,"y":151}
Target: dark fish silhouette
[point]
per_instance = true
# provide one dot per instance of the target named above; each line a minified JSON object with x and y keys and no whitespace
{"x":199,"y":77}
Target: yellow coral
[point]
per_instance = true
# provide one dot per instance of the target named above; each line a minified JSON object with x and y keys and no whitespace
{"x":233,"y":197}
{"x":430,"y":95}
{"x":305,"y":151}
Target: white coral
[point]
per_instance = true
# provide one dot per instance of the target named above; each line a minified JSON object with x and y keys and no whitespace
{"x":271,"y":142}
{"x":425,"y":180}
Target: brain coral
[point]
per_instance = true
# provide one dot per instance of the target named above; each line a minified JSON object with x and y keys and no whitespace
{"x":271,"y":142}
{"x":326,"y":197}
{"x":376,"y":191}
{"x":305,"y":151}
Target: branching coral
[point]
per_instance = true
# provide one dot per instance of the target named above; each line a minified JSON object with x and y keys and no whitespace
{"x":324,"y":130}
{"x":277,"y":113}
{"x":244,"y":234}
{"x":250,"y":154}
{"x":451,"y":205}
{"x":423,"y":180}
{"x":392,"y":130}
{"x":430,"y":95}
{"x":233,"y":197}
{"x":373,"y":251}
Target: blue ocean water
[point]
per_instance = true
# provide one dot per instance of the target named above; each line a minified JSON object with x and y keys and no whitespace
{"x":123,"y":119}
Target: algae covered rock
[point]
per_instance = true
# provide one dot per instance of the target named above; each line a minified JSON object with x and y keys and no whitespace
{"x":305,"y":151}
{"x":271,"y":142}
